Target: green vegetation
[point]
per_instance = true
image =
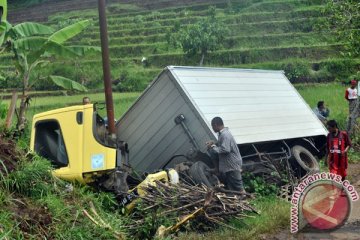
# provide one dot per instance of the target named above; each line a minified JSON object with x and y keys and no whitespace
{"x":204,"y":36}
{"x":32,"y":46}
{"x":332,"y":94}
{"x":281,"y":34}
{"x":34,"y":205}
{"x":26,"y":3}
{"x":344,"y":19}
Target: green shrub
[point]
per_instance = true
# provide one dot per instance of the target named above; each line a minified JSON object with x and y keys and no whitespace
{"x":297,"y":71}
{"x":341,"y":68}
{"x":132,"y":81}
{"x":257,"y":184}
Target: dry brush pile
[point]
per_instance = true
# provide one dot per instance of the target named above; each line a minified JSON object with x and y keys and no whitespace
{"x":167,"y":208}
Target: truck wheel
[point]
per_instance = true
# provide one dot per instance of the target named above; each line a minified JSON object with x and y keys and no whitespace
{"x":199,"y":172}
{"x":304,"y":159}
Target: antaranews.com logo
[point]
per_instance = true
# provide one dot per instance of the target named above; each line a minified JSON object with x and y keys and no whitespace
{"x":322,"y":201}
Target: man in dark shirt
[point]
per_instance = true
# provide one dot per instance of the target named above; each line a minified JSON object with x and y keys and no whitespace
{"x":230,"y":160}
{"x":338,"y":144}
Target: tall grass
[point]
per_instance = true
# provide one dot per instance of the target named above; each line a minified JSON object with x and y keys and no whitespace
{"x":333,"y":95}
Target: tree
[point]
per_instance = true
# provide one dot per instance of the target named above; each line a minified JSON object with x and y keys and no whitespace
{"x":204,"y":36}
{"x":344,"y":19}
{"x":34,"y":45}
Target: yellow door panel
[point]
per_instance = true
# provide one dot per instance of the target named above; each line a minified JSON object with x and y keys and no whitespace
{"x":96,"y":156}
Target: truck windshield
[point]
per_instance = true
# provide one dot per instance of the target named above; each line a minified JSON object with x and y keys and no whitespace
{"x":49,"y":143}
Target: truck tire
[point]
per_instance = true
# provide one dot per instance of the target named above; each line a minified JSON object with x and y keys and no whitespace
{"x":199,"y":172}
{"x":304,"y":159}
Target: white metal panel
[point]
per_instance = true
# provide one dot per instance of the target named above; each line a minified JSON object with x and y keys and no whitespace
{"x":256,"y":105}
{"x":150,"y":130}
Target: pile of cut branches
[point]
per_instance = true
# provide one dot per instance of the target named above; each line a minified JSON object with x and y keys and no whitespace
{"x":184,"y":205}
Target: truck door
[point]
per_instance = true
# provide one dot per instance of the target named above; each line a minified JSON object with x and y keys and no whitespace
{"x":96,"y":157}
{"x":57,"y":136}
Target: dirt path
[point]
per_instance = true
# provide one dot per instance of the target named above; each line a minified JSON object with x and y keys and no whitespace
{"x":351,"y":230}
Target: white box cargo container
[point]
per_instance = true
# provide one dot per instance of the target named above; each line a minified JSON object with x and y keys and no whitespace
{"x":258,"y":106}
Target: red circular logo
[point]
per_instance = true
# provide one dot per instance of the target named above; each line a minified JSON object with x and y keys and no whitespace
{"x":326,"y":205}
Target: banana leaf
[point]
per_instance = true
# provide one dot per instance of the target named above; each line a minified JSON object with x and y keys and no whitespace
{"x":69,"y":32}
{"x":84,"y":50}
{"x":30,"y":43}
{"x":28,"y":29}
{"x":67,"y":83}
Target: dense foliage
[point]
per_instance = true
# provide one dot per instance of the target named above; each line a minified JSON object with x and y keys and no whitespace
{"x":34,"y":45}
{"x":203,"y":36}
{"x":344,"y":19}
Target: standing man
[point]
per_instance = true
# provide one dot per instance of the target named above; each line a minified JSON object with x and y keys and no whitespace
{"x":230,"y":160}
{"x":338,"y":144}
{"x":351,"y":96}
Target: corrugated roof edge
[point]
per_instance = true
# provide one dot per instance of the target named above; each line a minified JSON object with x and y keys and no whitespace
{"x":225,"y":69}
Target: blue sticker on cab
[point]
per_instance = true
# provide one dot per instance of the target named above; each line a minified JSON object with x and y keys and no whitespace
{"x":97,"y":161}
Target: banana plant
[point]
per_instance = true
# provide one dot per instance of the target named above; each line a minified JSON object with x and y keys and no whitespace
{"x":34,"y":45}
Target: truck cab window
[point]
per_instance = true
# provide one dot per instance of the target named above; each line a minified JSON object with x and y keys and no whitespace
{"x":49,"y":143}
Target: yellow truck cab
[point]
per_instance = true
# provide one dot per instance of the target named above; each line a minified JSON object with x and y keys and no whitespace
{"x":68,"y":137}
{"x":74,"y":140}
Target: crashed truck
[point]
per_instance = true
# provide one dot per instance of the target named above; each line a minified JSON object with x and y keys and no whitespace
{"x":168,"y":125}
{"x":171,"y":121}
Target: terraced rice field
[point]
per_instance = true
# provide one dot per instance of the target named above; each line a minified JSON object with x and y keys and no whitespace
{"x":272,"y":34}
